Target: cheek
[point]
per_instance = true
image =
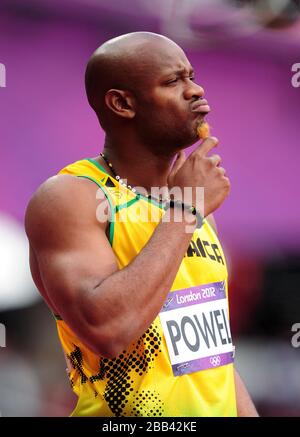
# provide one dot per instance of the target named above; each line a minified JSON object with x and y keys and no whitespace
{"x":177,"y":107}
{"x":164,"y":97}
{"x":173,"y":111}
{"x":165,"y":108}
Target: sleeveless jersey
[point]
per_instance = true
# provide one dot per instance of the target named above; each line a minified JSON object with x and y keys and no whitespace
{"x":157,"y":374}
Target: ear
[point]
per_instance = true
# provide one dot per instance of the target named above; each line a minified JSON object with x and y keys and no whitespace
{"x":120,"y":102}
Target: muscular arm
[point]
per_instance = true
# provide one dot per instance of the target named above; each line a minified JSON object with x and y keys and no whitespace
{"x":107,"y":308}
{"x":78,"y":274}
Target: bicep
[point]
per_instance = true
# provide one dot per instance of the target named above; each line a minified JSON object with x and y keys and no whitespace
{"x":70,"y":274}
{"x":71,"y":248}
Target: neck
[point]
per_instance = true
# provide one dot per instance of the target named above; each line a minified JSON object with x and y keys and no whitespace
{"x":138,"y":165}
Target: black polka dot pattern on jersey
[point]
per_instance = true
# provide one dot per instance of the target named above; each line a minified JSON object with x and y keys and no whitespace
{"x":147,"y":403}
{"x":122,"y":373}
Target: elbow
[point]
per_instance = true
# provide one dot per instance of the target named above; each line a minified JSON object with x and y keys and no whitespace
{"x":109,"y":351}
{"x":109,"y":339}
{"x":108,"y":346}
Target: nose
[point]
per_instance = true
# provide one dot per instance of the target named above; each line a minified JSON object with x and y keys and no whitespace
{"x":193,"y":91}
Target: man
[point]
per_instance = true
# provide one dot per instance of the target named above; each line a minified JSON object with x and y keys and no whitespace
{"x":141,"y":305}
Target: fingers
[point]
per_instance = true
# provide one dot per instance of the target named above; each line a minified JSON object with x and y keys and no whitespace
{"x":215,"y":159}
{"x":222,"y":171}
{"x":205,"y":146}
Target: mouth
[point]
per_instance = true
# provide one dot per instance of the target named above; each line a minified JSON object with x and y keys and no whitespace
{"x":201,"y":107}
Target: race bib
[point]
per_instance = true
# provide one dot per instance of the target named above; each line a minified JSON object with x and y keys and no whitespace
{"x":196,"y":328}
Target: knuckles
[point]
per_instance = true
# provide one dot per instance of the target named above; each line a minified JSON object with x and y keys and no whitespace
{"x":227,"y":184}
{"x":216,"y":158}
{"x":221,"y":170}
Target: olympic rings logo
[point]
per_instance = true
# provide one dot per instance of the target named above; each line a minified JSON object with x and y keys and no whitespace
{"x":215,"y":361}
{"x":222,"y":286}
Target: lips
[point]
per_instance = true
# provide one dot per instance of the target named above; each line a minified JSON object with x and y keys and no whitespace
{"x":201,"y":106}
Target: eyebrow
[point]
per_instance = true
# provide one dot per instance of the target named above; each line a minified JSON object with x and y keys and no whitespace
{"x":180,"y":72}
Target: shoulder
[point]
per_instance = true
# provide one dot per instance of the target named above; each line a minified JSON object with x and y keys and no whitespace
{"x":60,"y":201}
{"x":60,"y":192}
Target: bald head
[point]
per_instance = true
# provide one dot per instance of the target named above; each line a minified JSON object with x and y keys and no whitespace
{"x":125,"y":63}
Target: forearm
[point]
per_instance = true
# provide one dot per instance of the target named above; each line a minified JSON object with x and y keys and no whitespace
{"x":126,"y":302}
{"x":245,"y":406}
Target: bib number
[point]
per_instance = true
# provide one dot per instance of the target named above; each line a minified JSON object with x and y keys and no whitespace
{"x":196,"y":328}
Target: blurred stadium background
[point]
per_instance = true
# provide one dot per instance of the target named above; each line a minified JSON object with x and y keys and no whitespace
{"x":243,"y":52}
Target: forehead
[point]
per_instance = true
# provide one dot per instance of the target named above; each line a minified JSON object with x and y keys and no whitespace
{"x":161,"y":58}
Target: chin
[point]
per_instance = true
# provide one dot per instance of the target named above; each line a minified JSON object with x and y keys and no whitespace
{"x":181,"y":145}
{"x":186,"y":136}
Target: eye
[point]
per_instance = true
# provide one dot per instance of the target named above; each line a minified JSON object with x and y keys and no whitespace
{"x":192,"y":78}
{"x":172,"y":81}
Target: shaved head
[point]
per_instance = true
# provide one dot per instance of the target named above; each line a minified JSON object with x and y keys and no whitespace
{"x":141,"y":86}
{"x":124,"y":63}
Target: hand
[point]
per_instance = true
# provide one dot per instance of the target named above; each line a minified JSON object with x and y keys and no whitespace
{"x":200,"y":170}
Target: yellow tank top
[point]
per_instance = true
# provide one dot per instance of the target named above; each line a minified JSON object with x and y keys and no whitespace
{"x":183,"y":364}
